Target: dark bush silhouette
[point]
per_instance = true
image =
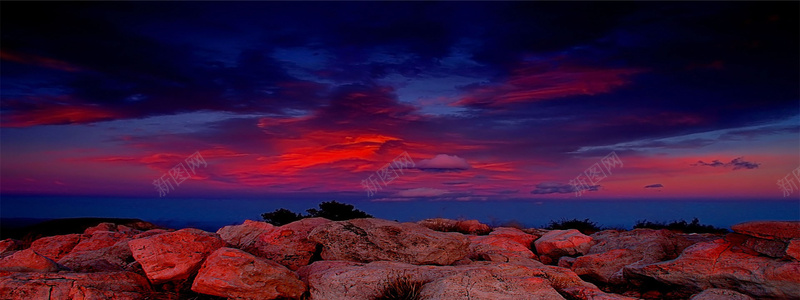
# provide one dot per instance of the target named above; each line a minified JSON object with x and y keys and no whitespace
{"x":332,"y":210}
{"x":336,"y":211}
{"x":281,"y":217}
{"x":585,"y":226}
{"x":682,"y":226}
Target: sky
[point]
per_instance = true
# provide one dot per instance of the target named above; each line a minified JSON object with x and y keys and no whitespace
{"x":491,"y":101}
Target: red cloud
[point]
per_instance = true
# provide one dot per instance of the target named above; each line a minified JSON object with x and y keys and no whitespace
{"x":30,"y":59}
{"x":537,"y":82}
{"x":58,"y":115}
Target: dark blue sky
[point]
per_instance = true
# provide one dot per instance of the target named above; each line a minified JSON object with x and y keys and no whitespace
{"x":493,"y":100}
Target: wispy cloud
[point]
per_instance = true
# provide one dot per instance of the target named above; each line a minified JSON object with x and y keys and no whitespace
{"x":558,"y":188}
{"x":735,"y":164}
{"x":443,"y":163}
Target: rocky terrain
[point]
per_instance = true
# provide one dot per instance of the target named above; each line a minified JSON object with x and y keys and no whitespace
{"x":361,"y":258}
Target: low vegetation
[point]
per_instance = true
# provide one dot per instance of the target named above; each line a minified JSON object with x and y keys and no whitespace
{"x":402,"y":288}
{"x":584,"y":226}
{"x":688,"y":227}
{"x":332,"y":210}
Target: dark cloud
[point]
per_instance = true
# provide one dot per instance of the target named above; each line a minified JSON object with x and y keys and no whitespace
{"x":443,"y":163}
{"x":652,"y":186}
{"x":558,"y":188}
{"x":735,"y":164}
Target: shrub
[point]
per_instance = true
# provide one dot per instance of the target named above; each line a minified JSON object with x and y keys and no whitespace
{"x":281,"y":217}
{"x":682,"y":226}
{"x":402,"y":288}
{"x":336,"y":211}
{"x":332,"y":210}
{"x":584,"y":226}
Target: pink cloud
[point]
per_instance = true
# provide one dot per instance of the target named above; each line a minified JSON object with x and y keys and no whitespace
{"x":443,"y":162}
{"x":421,"y":192}
{"x":536,"y":82}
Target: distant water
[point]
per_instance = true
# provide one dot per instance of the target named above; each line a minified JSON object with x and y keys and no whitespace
{"x":210,"y":214}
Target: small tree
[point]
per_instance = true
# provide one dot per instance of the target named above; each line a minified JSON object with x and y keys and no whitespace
{"x":333,"y":210}
{"x":336,"y":211}
{"x":281,"y":217}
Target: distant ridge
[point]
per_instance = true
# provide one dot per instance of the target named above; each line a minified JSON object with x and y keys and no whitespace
{"x":52,"y":227}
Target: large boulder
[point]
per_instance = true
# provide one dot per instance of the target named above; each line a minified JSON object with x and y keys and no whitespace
{"x":116,"y":257}
{"x":344,"y":280}
{"x":472,"y":227}
{"x":722,"y":264}
{"x":498,"y":248}
{"x":151,"y":232}
{"x":720,"y":294}
{"x":519,"y":236}
{"x":69,"y":286}
{"x":771,"y":248}
{"x":243,"y":236}
{"x":770,"y":230}
{"x":606,"y":267}
{"x":57,"y":246}
{"x":289,"y":245}
{"x":27,"y":261}
{"x":366,"y":240}
{"x":462,"y":226}
{"x":8,"y":245}
{"x":236,"y":274}
{"x":174,"y":255}
{"x":612,"y":250}
{"x":793,"y":249}
{"x":99,"y":240}
{"x":485,"y":284}
{"x":558,"y":243}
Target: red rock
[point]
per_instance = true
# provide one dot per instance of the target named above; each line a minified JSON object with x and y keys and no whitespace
{"x":289,"y":245}
{"x":245,"y":235}
{"x":607,"y":266}
{"x":74,"y":286}
{"x":719,"y":264}
{"x":484,"y":284}
{"x":113,"y":258}
{"x":100,"y":227}
{"x":151,"y":232}
{"x":654,"y":245}
{"x":366,"y":240}
{"x":473,"y":227}
{"x":497,"y":248}
{"x":448,"y":225}
{"x":174,"y":255}
{"x":99,"y":240}
{"x":770,"y":230}
{"x":343,"y":280}
{"x":56,"y":247}
{"x":236,"y":274}
{"x":27,"y":261}
{"x":514,"y":234}
{"x":612,"y":250}
{"x":720,"y":294}
{"x":771,"y":248}
{"x":566,"y":262}
{"x":793,"y":249}
{"x":9,"y":245}
{"x":558,"y":243}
